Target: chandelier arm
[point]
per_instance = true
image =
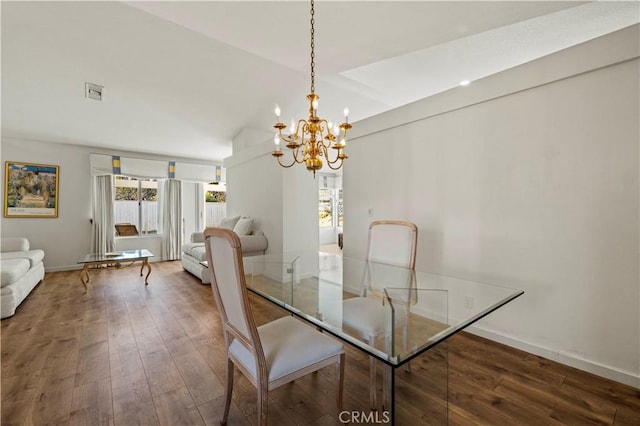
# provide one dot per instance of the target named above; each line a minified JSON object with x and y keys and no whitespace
{"x":328,"y":132}
{"x":295,"y":156}
{"x":286,"y":139}
{"x":281,"y":136}
{"x":334,"y":161}
{"x":331,"y":164}
{"x":326,"y":124}
{"x":320,"y":141}
{"x":325,"y":152}
{"x":286,"y":166}
{"x":300,"y":126}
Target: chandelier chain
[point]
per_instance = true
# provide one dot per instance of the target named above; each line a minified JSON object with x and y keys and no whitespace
{"x":313,"y":54}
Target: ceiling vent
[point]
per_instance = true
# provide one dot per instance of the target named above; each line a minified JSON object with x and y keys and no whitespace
{"x":93,"y":91}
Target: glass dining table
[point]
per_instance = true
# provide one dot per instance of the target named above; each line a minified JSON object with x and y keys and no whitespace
{"x":388,"y":312}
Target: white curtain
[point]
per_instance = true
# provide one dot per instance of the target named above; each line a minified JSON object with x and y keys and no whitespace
{"x":102,"y":210}
{"x":171,"y":218}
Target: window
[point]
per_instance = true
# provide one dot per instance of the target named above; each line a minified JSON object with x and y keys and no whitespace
{"x":215,"y":197}
{"x":136,"y":203}
{"x":214,"y":194}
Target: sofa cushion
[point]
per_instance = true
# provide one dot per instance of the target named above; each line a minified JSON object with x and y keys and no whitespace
{"x":199,"y":252}
{"x":188,"y":247}
{"x":197,"y":237}
{"x":229,"y":222}
{"x":253,"y":243}
{"x":243,"y":227}
{"x":14,"y":244}
{"x":33,"y":256}
{"x":12,"y":270}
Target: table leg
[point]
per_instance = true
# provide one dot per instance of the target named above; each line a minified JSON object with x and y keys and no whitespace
{"x":388,"y":393}
{"x":146,"y":262}
{"x":84,"y":276}
{"x":373,"y":363}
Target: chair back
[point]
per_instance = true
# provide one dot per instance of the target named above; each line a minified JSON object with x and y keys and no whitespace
{"x":393,"y":242}
{"x":224,"y":256}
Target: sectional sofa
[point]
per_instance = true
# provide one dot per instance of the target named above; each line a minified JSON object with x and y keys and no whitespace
{"x":21,"y":269}
{"x":253,"y":241}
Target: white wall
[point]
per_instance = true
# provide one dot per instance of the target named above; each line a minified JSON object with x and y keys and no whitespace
{"x":283,"y":202}
{"x":526,"y":179}
{"x":300,"y":211}
{"x":66,"y":238}
{"x":254,"y":189}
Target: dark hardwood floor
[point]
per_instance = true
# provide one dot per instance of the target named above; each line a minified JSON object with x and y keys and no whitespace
{"x":124,"y":354}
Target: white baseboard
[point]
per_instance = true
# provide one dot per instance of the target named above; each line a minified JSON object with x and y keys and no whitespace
{"x":62,"y":268}
{"x":612,"y":373}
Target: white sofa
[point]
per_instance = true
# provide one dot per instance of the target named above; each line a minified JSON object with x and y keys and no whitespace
{"x":254,"y":242}
{"x":21,"y":270}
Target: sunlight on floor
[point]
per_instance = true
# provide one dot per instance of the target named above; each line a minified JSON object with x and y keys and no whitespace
{"x":330,"y":249}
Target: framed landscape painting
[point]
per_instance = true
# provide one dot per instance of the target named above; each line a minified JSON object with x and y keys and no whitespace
{"x":31,"y":190}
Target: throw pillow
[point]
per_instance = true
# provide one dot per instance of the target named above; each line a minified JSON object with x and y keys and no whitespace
{"x":243,"y":227}
{"x":229,"y":222}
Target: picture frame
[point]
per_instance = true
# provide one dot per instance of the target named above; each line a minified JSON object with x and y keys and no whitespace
{"x":31,"y":190}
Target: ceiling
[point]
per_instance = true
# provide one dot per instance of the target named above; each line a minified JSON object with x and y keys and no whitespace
{"x":183,"y":78}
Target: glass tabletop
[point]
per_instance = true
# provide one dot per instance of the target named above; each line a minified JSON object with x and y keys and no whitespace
{"x":117,"y":256}
{"x":390,"y":312}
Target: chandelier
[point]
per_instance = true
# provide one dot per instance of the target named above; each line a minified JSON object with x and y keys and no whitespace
{"x":314,"y":137}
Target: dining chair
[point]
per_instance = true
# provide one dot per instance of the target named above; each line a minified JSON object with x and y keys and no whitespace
{"x":272,"y":354}
{"x":390,"y":242}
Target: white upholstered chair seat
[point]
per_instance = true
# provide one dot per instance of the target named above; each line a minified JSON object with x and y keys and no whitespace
{"x":367,"y":316}
{"x":278,"y":338}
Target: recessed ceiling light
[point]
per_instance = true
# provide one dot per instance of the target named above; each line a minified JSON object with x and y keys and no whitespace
{"x":465,"y":83}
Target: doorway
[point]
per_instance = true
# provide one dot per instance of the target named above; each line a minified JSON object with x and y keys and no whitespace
{"x":330,"y":213}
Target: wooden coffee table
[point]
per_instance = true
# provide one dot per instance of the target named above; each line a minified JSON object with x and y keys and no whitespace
{"x":118,"y":258}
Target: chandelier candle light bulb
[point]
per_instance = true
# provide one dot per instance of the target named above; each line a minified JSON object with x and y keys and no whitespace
{"x":317,"y":135}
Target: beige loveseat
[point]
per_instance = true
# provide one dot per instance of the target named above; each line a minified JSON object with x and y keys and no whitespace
{"x":254,"y":242}
{"x":21,"y":270}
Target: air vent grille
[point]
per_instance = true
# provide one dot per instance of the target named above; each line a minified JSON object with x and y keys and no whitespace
{"x":93,"y":91}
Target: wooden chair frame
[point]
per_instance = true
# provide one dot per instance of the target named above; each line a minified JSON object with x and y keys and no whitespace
{"x":252,"y":341}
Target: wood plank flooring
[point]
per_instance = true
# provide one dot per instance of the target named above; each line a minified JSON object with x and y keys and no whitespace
{"x":126,"y":354}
